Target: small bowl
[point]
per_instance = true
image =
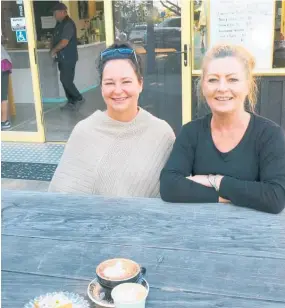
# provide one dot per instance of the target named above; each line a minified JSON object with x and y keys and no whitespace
{"x":113,"y":272}
{"x":101,"y":296}
{"x":129,"y":295}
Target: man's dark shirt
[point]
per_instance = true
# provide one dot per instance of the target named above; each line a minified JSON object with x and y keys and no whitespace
{"x":66,"y":30}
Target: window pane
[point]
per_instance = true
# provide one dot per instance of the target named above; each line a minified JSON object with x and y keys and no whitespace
{"x":158,"y":46}
{"x":89,"y":19}
{"x":200,"y":32}
{"x":279,"y":35}
{"x":175,"y":22}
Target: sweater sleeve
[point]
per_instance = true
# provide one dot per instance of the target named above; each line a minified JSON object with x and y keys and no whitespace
{"x":174,"y":186}
{"x":71,"y":173}
{"x":267,"y":194}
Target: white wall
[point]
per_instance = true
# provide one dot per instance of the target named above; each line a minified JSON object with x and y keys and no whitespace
{"x":22,"y":85}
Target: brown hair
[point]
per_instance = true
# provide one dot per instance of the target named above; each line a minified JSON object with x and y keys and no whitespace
{"x":136,"y":61}
{"x":239,"y":52}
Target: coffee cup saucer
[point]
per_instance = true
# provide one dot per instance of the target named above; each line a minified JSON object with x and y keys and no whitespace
{"x":102,"y":296}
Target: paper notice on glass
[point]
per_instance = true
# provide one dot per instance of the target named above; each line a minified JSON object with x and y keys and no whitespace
{"x":48,"y":22}
{"x":18,"y":23}
{"x":246,"y":23}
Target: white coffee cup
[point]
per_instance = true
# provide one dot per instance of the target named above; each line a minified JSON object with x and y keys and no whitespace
{"x":129,"y":295}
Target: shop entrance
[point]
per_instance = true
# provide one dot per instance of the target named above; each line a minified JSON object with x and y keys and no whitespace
{"x":89,"y":19}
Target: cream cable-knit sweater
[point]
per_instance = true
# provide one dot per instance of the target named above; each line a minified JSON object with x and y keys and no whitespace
{"x":107,"y":157}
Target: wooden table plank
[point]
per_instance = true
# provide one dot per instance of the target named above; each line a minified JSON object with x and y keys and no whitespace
{"x":210,"y":227}
{"x":35,"y":285}
{"x":196,"y":272}
{"x":220,"y":255}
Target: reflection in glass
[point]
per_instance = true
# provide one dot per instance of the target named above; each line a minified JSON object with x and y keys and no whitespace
{"x":154,"y":29}
{"x":279,"y":36}
{"x":200,"y":32}
{"x":89,"y":19}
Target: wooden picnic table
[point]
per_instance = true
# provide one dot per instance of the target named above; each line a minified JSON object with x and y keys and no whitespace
{"x":196,"y":255}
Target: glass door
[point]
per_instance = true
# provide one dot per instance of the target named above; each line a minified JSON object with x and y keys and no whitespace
{"x":21,"y":99}
{"x":60,"y":115}
{"x":160,"y":33}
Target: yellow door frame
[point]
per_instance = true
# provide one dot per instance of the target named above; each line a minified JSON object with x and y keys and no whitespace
{"x":283,"y":18}
{"x":39,"y":135}
{"x":186,"y":40}
{"x":109,"y":22}
{"x":186,"y":26}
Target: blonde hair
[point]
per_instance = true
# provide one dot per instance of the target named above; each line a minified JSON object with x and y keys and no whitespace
{"x":239,"y":52}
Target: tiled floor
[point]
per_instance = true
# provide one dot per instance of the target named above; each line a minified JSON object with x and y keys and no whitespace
{"x":29,"y":166}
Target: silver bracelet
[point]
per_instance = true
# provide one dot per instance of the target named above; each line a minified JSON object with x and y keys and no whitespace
{"x":216,"y":186}
{"x":210,"y":181}
{"x":213,"y":183}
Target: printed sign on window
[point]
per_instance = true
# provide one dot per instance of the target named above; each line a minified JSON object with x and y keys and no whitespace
{"x":18,"y":23}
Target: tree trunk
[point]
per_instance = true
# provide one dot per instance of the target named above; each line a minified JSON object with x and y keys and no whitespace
{"x":150,"y":69}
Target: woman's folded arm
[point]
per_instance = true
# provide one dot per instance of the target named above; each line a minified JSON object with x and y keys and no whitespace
{"x":174,"y":185}
{"x":267,"y":194}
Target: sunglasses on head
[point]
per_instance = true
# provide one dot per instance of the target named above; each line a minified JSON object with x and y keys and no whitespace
{"x":126,"y":53}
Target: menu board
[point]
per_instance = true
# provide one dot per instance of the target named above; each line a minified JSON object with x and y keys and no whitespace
{"x":246,"y":23}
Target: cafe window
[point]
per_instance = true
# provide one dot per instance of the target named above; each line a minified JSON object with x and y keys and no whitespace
{"x":87,"y":15}
{"x":153,"y":28}
{"x":20,"y":107}
{"x":239,"y":22}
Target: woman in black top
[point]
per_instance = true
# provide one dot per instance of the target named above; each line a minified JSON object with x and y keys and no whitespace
{"x":230,"y":155}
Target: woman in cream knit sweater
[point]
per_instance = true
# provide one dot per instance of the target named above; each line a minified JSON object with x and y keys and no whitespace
{"x":119,"y":152}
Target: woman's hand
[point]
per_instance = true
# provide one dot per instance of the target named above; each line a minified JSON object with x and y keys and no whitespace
{"x":222,"y":200}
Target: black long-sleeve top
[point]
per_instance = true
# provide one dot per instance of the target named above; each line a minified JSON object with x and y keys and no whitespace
{"x":254,"y":171}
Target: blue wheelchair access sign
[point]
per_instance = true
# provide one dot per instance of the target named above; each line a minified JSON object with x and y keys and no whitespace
{"x":21,"y":36}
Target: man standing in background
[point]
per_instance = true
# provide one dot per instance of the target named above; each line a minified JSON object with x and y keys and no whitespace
{"x":64,"y":51}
